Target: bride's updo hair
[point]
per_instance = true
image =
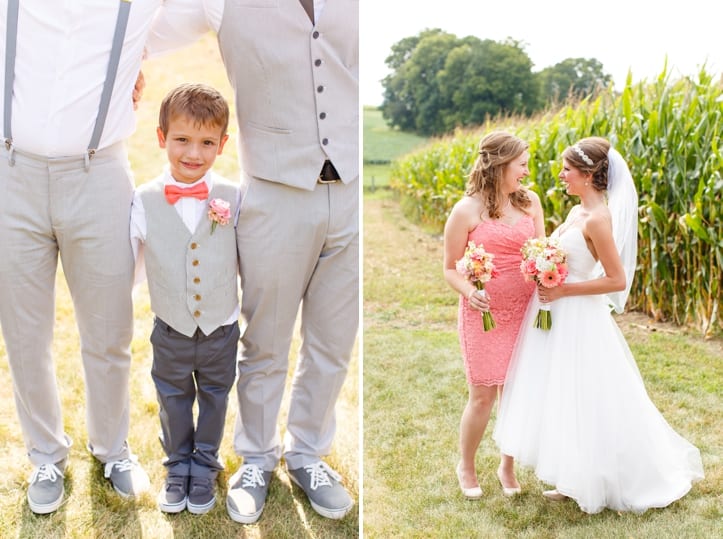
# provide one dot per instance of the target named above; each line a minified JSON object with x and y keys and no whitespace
{"x":496,"y":150}
{"x":590,"y":155}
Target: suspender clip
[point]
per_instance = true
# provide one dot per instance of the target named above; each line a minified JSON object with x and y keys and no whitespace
{"x":11,"y":151}
{"x":88,"y":156}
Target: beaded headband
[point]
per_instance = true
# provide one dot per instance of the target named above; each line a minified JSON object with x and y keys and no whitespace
{"x":583,"y":155}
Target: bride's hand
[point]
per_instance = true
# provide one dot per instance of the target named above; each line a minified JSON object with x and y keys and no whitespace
{"x":548,"y":295}
{"x":479,"y":300}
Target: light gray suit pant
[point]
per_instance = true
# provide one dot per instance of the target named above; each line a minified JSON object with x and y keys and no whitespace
{"x":51,"y":207}
{"x":296,"y":247}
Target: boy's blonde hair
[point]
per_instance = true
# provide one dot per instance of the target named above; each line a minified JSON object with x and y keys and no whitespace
{"x":200,"y":103}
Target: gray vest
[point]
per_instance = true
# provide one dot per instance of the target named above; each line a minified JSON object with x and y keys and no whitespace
{"x":296,"y":87}
{"x":192,"y":278}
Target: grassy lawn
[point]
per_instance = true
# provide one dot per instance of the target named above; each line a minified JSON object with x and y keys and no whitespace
{"x":382,"y":145}
{"x":415,"y":390}
{"x":92,"y":509}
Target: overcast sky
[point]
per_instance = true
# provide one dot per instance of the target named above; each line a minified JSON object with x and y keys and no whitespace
{"x":622,"y":34}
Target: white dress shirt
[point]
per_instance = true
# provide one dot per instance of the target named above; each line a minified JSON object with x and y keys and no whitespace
{"x":63,"y":48}
{"x":189,"y":209}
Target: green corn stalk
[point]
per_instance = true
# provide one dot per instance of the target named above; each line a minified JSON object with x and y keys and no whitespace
{"x":669,"y":132}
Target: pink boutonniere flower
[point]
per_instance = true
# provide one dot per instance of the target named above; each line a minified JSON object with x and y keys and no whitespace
{"x":219,"y":211}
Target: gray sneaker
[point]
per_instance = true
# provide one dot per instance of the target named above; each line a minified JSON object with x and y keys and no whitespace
{"x":127,"y":477}
{"x":46,"y":489}
{"x":323,"y":487}
{"x":173,"y":496}
{"x":247,"y":492}
{"x":201,"y":495}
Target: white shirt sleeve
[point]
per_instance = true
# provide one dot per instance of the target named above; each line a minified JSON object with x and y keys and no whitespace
{"x":138,"y":231}
{"x":179,"y":23}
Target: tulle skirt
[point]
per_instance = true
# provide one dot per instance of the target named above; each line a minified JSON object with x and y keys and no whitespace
{"x":575,"y":409}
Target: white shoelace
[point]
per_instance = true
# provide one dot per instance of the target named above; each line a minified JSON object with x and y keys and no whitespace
{"x":46,"y":472}
{"x":125,"y":465}
{"x":320,"y":472}
{"x":251,"y":476}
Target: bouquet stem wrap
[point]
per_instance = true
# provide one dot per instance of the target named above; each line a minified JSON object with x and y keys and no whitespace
{"x":488,"y":322}
{"x":543,"y":320}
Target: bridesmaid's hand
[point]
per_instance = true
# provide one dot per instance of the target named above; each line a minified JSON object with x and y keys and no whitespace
{"x":479,"y":300}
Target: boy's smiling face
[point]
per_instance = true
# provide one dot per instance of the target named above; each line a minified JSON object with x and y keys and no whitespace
{"x":191,"y":148}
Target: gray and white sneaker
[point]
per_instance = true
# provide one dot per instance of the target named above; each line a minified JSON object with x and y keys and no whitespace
{"x":247,"y":492}
{"x":46,"y":489}
{"x":201,"y":495}
{"x":127,"y":477}
{"x":173,"y":496}
{"x":323,"y":487}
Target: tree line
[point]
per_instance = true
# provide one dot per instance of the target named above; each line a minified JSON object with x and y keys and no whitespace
{"x":439,"y":81}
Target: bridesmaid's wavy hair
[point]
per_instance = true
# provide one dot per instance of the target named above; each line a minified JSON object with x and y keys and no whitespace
{"x":590,"y":156}
{"x":496,"y":150}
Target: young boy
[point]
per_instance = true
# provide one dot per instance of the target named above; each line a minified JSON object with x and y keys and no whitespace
{"x":183,"y":222}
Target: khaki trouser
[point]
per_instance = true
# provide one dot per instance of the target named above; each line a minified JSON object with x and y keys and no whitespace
{"x":52,"y":207}
{"x":295,"y":246}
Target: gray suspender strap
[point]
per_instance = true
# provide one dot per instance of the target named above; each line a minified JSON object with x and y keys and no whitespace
{"x":10,"y":50}
{"x":118,"y":36}
{"x":10,"y":46}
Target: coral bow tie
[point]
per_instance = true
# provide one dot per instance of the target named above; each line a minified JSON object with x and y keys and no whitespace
{"x":173,"y":192}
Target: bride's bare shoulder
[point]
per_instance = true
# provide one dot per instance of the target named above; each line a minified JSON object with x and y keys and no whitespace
{"x":598,"y":222}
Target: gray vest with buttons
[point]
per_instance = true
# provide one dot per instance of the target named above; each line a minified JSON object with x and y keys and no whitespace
{"x":192,"y":278}
{"x":296,"y":88}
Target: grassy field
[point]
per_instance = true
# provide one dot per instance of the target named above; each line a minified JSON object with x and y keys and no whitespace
{"x":92,"y":509}
{"x":415,"y":390}
{"x":381,"y":145}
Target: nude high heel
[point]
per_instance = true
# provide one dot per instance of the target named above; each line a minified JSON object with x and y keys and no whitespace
{"x":473,"y":493}
{"x":508,"y":491}
{"x":554,"y":495}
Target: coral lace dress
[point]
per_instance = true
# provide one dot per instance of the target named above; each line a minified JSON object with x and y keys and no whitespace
{"x":486,"y":354}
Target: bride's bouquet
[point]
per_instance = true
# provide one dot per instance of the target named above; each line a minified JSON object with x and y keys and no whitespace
{"x":476,"y":266}
{"x":544,"y":262}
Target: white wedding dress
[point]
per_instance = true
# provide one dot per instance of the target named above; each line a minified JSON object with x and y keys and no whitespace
{"x":575,"y":408}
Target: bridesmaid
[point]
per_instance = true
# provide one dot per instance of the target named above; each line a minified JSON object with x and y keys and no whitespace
{"x":499,"y":213}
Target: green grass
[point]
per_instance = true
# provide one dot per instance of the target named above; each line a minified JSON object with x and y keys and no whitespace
{"x":92,"y":509}
{"x":415,"y":390}
{"x":381,"y":146}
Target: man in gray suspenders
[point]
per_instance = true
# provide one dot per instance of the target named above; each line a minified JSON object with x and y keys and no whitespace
{"x":294,"y":67}
{"x":66,"y":190}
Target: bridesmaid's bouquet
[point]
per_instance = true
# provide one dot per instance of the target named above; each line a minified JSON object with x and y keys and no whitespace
{"x":476,"y":266}
{"x":545,"y":263}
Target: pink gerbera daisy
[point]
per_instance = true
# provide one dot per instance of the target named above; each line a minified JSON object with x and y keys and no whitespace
{"x":550,"y":279}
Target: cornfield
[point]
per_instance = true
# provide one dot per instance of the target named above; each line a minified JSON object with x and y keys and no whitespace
{"x":668,"y":131}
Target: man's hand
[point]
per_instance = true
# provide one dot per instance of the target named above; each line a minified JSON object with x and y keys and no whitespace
{"x":138,"y":90}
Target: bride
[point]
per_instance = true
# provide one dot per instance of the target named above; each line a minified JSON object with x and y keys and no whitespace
{"x":575,"y":407}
